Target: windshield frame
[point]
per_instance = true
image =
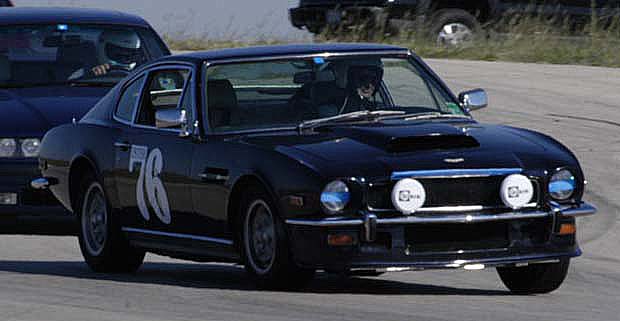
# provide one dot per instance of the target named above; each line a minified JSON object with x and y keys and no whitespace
{"x":143,"y":33}
{"x":425,"y":72}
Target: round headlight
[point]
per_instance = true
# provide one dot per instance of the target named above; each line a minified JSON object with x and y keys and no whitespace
{"x":30,"y":147}
{"x":335,"y":197}
{"x":562,"y":185}
{"x":7,"y":147}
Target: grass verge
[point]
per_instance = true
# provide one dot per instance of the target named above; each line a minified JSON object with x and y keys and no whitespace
{"x":535,"y":39}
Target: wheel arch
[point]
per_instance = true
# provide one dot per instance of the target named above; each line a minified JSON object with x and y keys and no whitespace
{"x":80,"y":165}
{"x":482,"y":10}
{"x":242,"y":183}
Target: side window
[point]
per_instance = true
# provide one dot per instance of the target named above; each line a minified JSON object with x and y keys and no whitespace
{"x":163,"y":92}
{"x":408,"y":88}
{"x":129,"y":99}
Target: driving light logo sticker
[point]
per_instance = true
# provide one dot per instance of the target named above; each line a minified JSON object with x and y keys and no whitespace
{"x":408,"y":195}
{"x":149,"y":179}
{"x":517,"y":191}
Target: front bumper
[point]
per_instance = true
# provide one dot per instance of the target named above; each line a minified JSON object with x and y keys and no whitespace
{"x":437,"y":241}
{"x":36,"y":211}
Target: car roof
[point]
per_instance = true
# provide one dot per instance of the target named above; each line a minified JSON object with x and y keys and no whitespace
{"x":49,"y":15}
{"x":282,"y":50}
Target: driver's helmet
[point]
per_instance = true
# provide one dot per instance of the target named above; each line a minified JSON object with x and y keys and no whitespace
{"x":121,"y":48}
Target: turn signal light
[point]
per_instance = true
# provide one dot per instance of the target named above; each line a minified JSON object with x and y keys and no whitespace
{"x":568,"y":229}
{"x":340,"y":239}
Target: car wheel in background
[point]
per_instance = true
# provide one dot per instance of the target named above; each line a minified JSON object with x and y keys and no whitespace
{"x":535,"y":278}
{"x":266,"y":253}
{"x":454,"y":27}
{"x":103,"y":246}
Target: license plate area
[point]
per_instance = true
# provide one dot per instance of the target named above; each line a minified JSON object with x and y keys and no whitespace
{"x":457,"y":237}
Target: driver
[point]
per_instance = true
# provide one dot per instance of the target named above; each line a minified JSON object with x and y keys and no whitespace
{"x":117,"y":49}
{"x":363,"y":82}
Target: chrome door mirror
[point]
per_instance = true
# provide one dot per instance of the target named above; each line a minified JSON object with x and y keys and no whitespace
{"x":474,"y":99}
{"x":171,"y":118}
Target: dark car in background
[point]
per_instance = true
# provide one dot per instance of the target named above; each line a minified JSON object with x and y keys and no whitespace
{"x":447,"y":21}
{"x":348,"y":158}
{"x":55,"y":64}
{"x":6,"y":3}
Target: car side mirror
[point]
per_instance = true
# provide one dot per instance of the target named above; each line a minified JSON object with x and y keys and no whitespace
{"x":171,"y":118}
{"x":473,"y":99}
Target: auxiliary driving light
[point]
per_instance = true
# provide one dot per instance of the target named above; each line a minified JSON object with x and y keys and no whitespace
{"x":516,"y":191}
{"x":408,"y":195}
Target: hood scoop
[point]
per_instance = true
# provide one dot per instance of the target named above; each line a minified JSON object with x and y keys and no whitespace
{"x":436,"y":142}
{"x":402,"y":139}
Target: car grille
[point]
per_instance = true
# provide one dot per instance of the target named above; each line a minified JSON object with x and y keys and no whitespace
{"x":457,"y":237}
{"x":444,"y":192}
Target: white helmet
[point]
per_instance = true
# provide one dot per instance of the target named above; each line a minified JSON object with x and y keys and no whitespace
{"x":120,"y":48}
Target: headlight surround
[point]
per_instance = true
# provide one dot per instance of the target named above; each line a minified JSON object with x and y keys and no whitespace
{"x":335,"y":197}
{"x":30,"y":147}
{"x":8,"y":147}
{"x":562,"y":185}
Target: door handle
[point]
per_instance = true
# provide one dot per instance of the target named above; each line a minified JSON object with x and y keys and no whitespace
{"x":212,"y":174}
{"x":122,"y":146}
{"x":213,"y":177}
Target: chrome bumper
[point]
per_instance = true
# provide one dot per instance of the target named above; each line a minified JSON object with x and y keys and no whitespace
{"x":583,"y":209}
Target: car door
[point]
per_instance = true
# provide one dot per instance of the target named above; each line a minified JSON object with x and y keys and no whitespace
{"x":153,"y":153}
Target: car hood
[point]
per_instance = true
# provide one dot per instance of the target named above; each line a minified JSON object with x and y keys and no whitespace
{"x":30,"y":112}
{"x":379,"y":149}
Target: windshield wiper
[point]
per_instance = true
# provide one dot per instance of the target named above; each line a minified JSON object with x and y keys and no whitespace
{"x":352,"y":116}
{"x":430,"y":115}
{"x":437,"y":115}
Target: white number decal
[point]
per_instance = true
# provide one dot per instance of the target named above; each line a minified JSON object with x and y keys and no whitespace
{"x":150,"y":169}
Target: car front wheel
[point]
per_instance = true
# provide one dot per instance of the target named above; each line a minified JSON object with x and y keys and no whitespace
{"x":266,"y":252}
{"x":102,"y":244}
{"x":535,"y":278}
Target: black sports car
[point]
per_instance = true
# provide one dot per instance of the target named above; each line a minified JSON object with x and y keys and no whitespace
{"x":55,"y":64}
{"x":346,"y":158}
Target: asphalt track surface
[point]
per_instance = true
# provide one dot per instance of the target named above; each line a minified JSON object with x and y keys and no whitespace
{"x":43,"y":278}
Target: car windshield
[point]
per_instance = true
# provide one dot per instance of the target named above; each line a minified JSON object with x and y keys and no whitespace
{"x":39,"y":55}
{"x":287,"y":93}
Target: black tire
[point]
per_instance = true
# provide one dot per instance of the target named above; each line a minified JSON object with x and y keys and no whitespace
{"x":535,"y":278}
{"x":279,"y":271}
{"x":111,"y":252}
{"x":445,"y":17}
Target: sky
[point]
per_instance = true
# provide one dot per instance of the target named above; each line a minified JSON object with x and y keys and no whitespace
{"x":228,"y":19}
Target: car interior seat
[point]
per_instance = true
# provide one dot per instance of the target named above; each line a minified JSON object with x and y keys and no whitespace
{"x":71,"y":57}
{"x":221,"y":102}
{"x":321,"y":97}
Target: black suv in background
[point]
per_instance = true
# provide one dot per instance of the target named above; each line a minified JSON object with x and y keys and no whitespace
{"x":450,"y":21}
{"x":5,"y":3}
